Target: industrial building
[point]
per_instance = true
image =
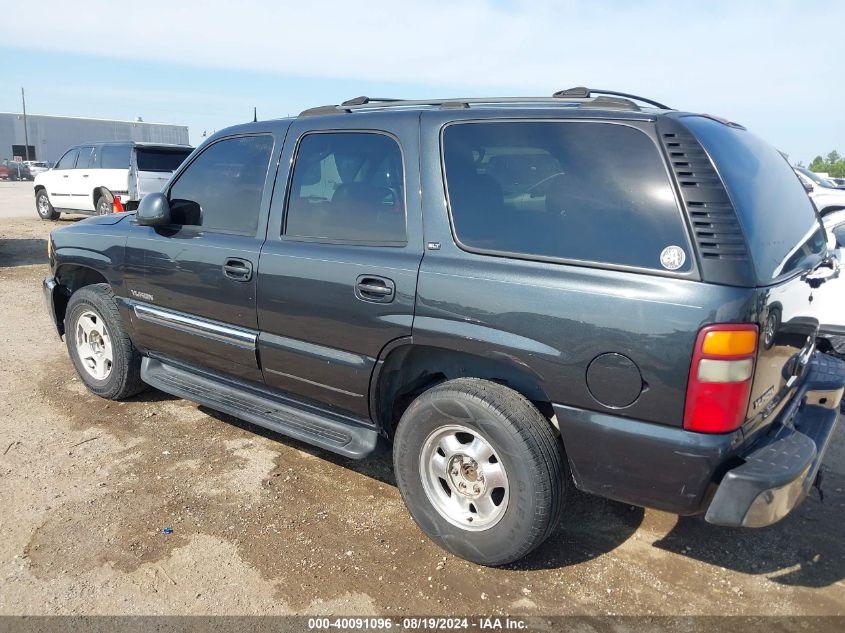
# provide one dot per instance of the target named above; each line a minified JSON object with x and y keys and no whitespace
{"x":49,"y":136}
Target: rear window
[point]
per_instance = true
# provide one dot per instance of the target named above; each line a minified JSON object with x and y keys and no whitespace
{"x":777,"y":217}
{"x":587,"y":191}
{"x":154,"y":159}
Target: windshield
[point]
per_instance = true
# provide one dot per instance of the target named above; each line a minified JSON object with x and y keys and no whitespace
{"x":778,"y":219}
{"x":824,"y":182}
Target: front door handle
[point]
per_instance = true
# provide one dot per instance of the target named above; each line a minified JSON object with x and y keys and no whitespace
{"x":237,"y":269}
{"x":375,"y":289}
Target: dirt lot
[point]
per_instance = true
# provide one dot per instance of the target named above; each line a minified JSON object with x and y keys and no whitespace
{"x":264,"y":525}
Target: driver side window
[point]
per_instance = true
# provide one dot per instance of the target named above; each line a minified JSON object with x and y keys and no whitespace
{"x":68,"y":160}
{"x":221,"y":190}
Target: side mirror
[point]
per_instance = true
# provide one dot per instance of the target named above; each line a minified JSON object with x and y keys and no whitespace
{"x":154,"y":210}
{"x":808,"y":186}
{"x":832,"y":242}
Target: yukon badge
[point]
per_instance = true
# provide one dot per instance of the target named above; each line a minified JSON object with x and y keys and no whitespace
{"x":142,"y":295}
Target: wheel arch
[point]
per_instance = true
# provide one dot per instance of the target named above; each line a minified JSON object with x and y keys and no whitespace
{"x":70,"y":278}
{"x":406,"y":370}
{"x":98,"y":192}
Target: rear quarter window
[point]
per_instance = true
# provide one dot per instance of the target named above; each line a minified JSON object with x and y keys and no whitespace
{"x":115,"y":156}
{"x":594,"y":192}
{"x":778,"y":219}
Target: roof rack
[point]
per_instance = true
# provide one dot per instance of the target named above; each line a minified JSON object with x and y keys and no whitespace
{"x":578,"y":96}
{"x":581,"y":92}
{"x":365,"y":100}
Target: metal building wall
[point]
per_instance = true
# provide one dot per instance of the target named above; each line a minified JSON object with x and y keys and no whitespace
{"x":52,"y":135}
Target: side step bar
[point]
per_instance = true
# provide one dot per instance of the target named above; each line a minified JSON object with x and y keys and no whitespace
{"x":320,"y":428}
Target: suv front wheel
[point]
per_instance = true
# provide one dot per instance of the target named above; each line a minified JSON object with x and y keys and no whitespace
{"x":44,"y":207}
{"x":104,"y":357}
{"x":480,"y":470}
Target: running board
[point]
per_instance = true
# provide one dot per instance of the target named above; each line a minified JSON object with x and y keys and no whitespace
{"x":321,"y":428}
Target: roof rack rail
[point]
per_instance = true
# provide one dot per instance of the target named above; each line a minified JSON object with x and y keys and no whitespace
{"x":579,"y":96}
{"x":581,"y":92}
{"x":362,"y":100}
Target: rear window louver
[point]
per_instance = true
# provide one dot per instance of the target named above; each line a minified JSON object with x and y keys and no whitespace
{"x":711,"y":214}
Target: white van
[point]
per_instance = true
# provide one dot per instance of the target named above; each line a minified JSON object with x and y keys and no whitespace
{"x":99,"y":178}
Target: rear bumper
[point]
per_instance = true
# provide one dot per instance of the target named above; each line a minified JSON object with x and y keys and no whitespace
{"x":734,"y":480}
{"x":780,"y":468}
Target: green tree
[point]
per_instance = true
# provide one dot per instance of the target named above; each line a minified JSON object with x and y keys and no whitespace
{"x":832,"y":164}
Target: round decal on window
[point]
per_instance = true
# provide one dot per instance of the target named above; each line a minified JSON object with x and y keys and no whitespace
{"x":672,"y":257}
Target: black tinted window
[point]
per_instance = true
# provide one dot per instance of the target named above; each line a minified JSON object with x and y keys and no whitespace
{"x":68,"y":160}
{"x":597,"y":192}
{"x":221,"y":189}
{"x":347,"y":186}
{"x":777,"y":217}
{"x":115,"y":156}
{"x":150,"y":159}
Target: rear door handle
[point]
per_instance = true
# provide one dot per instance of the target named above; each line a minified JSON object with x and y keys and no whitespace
{"x":375,"y":289}
{"x":237,"y":269}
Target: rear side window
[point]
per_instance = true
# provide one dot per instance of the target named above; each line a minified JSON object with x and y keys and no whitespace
{"x":115,"y":156}
{"x":777,"y":217}
{"x":347,"y":187}
{"x":589,"y":191}
{"x":161,"y":160}
{"x":221,"y":189}
{"x":86,"y":156}
{"x":68,"y":160}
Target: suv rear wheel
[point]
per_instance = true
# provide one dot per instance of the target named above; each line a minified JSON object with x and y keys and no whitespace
{"x":103,"y":206}
{"x":104,"y":357}
{"x":480,"y":470}
{"x":44,"y":207}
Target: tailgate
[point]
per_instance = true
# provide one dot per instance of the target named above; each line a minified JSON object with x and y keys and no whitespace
{"x":788,"y":330}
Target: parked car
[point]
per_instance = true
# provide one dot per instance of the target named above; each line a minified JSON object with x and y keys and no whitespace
{"x":99,"y":178}
{"x":5,"y":172}
{"x":826,"y":196}
{"x":518,"y":295}
{"x":36,"y":166}
{"x":839,"y":182}
{"x":17,"y":170}
{"x":832,"y":313}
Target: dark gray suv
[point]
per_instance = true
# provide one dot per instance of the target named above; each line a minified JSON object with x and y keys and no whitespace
{"x":519,"y":295}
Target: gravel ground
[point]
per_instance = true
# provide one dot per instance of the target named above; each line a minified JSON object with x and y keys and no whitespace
{"x":264,"y":525}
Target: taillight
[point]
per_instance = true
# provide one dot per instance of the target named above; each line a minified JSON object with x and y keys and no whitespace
{"x":117,"y":206}
{"x":720,"y":378}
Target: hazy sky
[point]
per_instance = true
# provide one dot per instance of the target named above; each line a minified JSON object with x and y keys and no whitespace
{"x":773,"y":66}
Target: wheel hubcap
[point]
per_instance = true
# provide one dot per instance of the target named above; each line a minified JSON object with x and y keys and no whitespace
{"x":463,"y":478}
{"x":93,"y":345}
{"x":43,"y":205}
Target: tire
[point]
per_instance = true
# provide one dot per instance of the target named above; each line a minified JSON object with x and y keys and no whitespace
{"x":523,"y":445}
{"x":101,"y":352}
{"x":44,"y":208}
{"x":103,"y":206}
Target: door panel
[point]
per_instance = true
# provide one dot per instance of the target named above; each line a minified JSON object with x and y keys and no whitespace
{"x":80,"y":187}
{"x":60,"y":179}
{"x":191,"y":285}
{"x":318,"y":339}
{"x":200,"y":315}
{"x":340,"y":284}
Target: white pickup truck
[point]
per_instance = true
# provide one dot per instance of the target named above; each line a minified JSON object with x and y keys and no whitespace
{"x":99,"y":178}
